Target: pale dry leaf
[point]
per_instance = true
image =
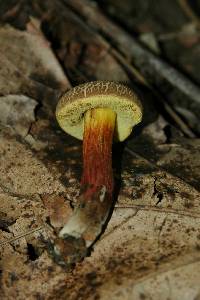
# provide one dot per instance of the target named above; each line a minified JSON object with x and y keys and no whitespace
{"x":13,"y":81}
{"x":30,"y":52}
{"x":183,"y":159}
{"x":27,"y":176}
{"x":155,"y":130}
{"x":149,"y":40}
{"x":17,"y":111}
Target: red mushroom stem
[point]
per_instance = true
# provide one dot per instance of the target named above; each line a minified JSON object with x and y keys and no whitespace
{"x":99,"y":125}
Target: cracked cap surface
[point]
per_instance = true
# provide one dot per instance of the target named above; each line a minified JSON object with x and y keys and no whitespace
{"x":74,"y":103}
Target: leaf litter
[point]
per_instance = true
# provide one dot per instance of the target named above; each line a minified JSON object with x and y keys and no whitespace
{"x":150,"y":247}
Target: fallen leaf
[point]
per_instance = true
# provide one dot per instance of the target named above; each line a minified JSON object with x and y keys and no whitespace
{"x":17,"y":111}
{"x":58,"y":210}
{"x":30,"y":52}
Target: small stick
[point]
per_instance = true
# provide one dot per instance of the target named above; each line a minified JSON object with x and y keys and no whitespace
{"x":20,"y":236}
{"x":185,"y":6}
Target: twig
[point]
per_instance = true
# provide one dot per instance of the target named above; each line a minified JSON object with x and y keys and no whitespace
{"x":177,"y":34}
{"x":21,"y":236}
{"x":189,"y":11}
{"x":184,"y":128}
{"x":177,"y":212}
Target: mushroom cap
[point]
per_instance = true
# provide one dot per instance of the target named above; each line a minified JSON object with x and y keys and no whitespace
{"x":97,"y":94}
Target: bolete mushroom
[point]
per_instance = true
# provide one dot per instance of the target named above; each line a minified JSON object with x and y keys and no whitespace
{"x":96,"y":112}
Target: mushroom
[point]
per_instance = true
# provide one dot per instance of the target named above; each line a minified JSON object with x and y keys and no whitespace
{"x":97,"y":112}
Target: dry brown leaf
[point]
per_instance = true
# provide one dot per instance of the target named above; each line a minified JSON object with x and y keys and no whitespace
{"x":58,"y":210}
{"x":30,"y":52}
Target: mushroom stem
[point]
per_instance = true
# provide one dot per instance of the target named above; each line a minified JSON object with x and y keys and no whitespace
{"x":99,"y":125}
{"x":97,"y":180}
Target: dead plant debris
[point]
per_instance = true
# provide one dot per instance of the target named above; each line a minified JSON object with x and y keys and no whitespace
{"x":150,"y":248}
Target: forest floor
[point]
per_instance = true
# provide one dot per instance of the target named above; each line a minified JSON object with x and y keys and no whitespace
{"x":150,"y":248}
